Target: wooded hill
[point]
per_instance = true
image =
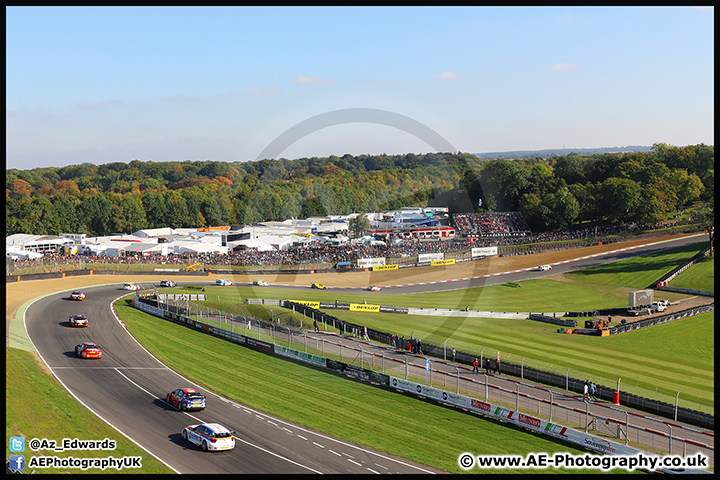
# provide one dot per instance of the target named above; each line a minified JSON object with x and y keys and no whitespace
{"x":551,"y":193}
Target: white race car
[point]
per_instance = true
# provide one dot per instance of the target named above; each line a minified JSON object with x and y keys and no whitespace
{"x":374,"y":288}
{"x":77,"y":295}
{"x":262,"y":283}
{"x":78,"y":320}
{"x":542,"y":268}
{"x":131,"y":287}
{"x":210,"y":436}
{"x":167,"y":283}
{"x":221,"y":282}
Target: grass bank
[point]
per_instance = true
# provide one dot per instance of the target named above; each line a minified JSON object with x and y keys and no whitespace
{"x":37,"y":406}
{"x":401,"y":425}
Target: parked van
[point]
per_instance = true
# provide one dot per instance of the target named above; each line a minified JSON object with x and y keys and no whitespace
{"x":658,"y":306}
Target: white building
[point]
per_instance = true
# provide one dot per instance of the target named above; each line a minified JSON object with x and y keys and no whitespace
{"x":37,"y":243}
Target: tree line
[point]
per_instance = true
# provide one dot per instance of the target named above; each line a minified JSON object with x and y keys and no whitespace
{"x":551,"y":193}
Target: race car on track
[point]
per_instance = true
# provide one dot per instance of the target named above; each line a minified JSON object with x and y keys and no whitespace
{"x":78,"y":320}
{"x":186,"y":399}
{"x":542,"y":268}
{"x":77,"y":295}
{"x":262,"y":283}
{"x":221,"y":282}
{"x":131,"y":286}
{"x":88,"y":350}
{"x":374,"y":288}
{"x":167,"y":283}
{"x":210,"y":436}
{"x":319,"y":286}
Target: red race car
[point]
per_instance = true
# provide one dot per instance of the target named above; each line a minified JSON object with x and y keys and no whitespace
{"x":88,"y":350}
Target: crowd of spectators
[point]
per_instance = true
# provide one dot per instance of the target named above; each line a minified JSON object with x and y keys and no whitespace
{"x":497,"y":224}
{"x":315,"y":254}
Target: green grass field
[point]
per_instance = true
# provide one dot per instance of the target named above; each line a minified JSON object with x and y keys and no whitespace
{"x":659,"y":361}
{"x":37,"y":406}
{"x":700,"y":276}
{"x":402,"y":425}
{"x":656,"y":362}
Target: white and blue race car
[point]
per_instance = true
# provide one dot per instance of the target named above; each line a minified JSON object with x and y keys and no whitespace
{"x":210,"y":436}
{"x":223,"y":283}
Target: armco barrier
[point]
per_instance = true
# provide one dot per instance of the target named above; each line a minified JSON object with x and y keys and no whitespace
{"x":176,"y":315}
{"x":504,"y":414}
{"x":523,"y":420}
{"x":678,"y":270}
{"x":656,"y":407}
{"x":648,"y":322}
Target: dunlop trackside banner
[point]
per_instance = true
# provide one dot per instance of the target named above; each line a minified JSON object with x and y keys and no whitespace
{"x":314,"y":305}
{"x":385,"y":267}
{"x":361,"y":307}
{"x":436,"y":263}
{"x":520,"y":419}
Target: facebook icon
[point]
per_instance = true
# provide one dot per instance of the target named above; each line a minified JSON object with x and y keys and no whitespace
{"x":17,"y":462}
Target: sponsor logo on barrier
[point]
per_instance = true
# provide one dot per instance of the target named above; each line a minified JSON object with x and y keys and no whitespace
{"x":532,"y":421}
{"x":556,"y":430}
{"x":599,"y":444}
{"x":504,"y":413}
{"x":430,"y":257}
{"x":315,"y":305}
{"x":437,"y":263}
{"x":370,"y":262}
{"x":384,"y":267}
{"x":485,"y":407}
{"x":484,"y":251}
{"x":361,"y":307}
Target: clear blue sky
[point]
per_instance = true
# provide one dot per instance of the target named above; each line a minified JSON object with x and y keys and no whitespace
{"x":115,"y":84}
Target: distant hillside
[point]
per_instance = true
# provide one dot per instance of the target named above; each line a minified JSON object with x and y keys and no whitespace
{"x":556,"y":152}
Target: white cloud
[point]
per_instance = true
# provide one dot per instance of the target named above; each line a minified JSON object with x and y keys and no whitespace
{"x":562,"y":67}
{"x":448,"y":76}
{"x":263,"y":91}
{"x":310,"y":80}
